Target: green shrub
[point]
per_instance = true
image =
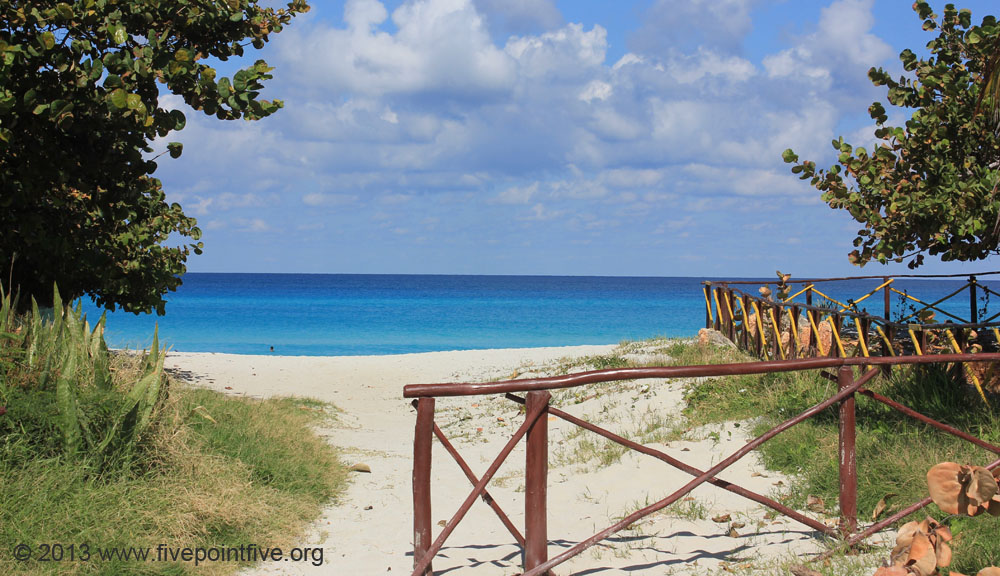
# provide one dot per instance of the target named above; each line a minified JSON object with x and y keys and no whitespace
{"x":57,"y":386}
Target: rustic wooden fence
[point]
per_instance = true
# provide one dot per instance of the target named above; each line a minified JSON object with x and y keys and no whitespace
{"x":536,"y":396}
{"x":808,"y":322}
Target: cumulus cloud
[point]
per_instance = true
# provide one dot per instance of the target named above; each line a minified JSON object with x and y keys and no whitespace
{"x":395,"y":117}
{"x":837,"y":54}
{"x":568,"y":53}
{"x":440,"y":47}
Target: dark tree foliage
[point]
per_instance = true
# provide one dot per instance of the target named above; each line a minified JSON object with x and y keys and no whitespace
{"x":80,"y":84}
{"x":931,"y":186}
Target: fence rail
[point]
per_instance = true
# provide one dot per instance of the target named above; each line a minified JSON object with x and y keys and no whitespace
{"x":787,"y":327}
{"x":534,"y":430}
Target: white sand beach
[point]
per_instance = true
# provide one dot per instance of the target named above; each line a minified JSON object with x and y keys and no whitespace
{"x":370,"y":530}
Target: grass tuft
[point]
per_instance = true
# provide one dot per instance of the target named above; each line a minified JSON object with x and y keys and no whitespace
{"x":98,"y":449}
{"x":894,"y":451}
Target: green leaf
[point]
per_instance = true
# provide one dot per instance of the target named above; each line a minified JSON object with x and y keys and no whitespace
{"x":119,"y":98}
{"x":175,"y":149}
{"x":240,"y":80}
{"x":96,"y":69}
{"x":119,"y":35}
{"x":81,"y":82}
{"x":179,"y":121}
{"x":47,"y":40}
{"x":64,"y":10}
{"x":789,"y":156}
{"x":68,"y":420}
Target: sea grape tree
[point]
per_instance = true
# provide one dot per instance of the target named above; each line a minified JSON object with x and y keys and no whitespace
{"x":80,"y":88}
{"x":930,"y":186}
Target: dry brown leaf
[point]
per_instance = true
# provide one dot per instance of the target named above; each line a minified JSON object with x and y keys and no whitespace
{"x":800,"y":570}
{"x":944,"y":486}
{"x":979,"y":489}
{"x":939,"y":536}
{"x":921,"y":558}
{"x":815,"y":503}
{"x":733,"y":533}
{"x":881,"y":506}
{"x":943,"y":553}
{"x":891,"y":571}
{"x":737,"y":525}
{"x":993,"y":507}
{"x":721,"y":518}
{"x":922,"y":547}
{"x":905,"y":535}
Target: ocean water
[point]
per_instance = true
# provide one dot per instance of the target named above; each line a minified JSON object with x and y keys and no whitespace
{"x":342,"y":314}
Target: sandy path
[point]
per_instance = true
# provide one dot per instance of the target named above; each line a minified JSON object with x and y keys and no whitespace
{"x":370,"y":530}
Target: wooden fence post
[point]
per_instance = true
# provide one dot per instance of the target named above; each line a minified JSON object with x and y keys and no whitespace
{"x":422,"y":441}
{"x":973,"y":309}
{"x":745,"y":337}
{"x":731,"y":308}
{"x":835,"y":340}
{"x":848,"y":461}
{"x":708,"y":305}
{"x":722,"y":317}
{"x":793,"y":315}
{"x":887,"y":295}
{"x":536,"y":542}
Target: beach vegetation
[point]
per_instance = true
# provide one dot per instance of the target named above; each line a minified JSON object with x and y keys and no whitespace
{"x":894,"y":452}
{"x":82,"y":109}
{"x":102,"y":449}
{"x":929,"y":186}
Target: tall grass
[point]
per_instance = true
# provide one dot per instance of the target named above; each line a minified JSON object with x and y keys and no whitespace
{"x":99,"y":448}
{"x":894,"y":451}
{"x":58,"y":383}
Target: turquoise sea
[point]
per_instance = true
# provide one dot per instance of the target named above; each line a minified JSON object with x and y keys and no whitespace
{"x":345,"y":314}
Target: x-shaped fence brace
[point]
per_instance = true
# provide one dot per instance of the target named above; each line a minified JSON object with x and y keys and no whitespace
{"x":536,"y":402}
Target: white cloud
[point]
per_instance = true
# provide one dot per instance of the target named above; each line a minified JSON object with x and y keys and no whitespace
{"x":363,"y":15}
{"x":689,"y":69}
{"x":596,"y":90}
{"x":540,"y":212}
{"x":255,"y":225}
{"x":439,"y":47}
{"x":517,"y":194}
{"x":570,"y":52}
{"x":838,"y":53}
{"x":392,"y":123}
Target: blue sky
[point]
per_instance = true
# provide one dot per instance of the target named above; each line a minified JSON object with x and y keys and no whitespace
{"x":576,"y":137}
